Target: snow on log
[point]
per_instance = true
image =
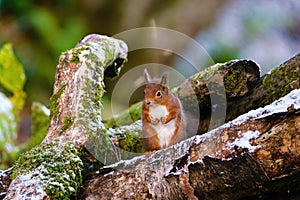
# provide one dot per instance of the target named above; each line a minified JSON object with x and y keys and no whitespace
{"x":255,"y":154}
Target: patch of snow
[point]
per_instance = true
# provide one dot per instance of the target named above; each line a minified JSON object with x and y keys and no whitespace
{"x":168,"y":170}
{"x":110,"y":173}
{"x":197,"y":139}
{"x":278,"y":106}
{"x":177,"y":172}
{"x":244,"y":141}
{"x":125,"y":163}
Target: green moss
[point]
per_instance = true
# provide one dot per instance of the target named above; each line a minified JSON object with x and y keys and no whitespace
{"x":207,"y":73}
{"x":103,"y":52}
{"x":53,"y":166}
{"x":233,"y":83}
{"x":12,"y":77}
{"x":99,"y":143}
{"x":91,"y":103}
{"x":102,"y":148}
{"x":54,"y":102}
{"x":132,"y":142}
{"x":92,"y":58}
{"x":68,"y":121}
{"x":108,"y":54}
{"x":129,"y":140}
{"x":75,"y":55}
{"x":278,"y":82}
{"x":125,"y":118}
{"x":135,"y":111}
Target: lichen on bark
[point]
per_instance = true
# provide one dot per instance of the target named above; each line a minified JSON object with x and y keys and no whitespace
{"x":80,"y":85}
{"x":53,"y":102}
{"x":282,"y":80}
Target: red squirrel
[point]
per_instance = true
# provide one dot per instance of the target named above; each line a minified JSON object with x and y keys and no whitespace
{"x":162,"y":115}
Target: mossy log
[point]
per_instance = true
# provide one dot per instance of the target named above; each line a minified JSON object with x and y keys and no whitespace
{"x":53,"y":170}
{"x":254,"y":155}
{"x":242,"y":90}
{"x":227,"y":81}
{"x":263,"y":91}
{"x":237,"y":83}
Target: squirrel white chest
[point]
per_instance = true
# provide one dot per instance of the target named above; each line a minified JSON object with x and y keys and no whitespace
{"x":164,"y":131}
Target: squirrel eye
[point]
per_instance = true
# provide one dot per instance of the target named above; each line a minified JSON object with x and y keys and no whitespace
{"x":158,"y":93}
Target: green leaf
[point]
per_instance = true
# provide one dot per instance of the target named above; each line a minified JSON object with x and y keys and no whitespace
{"x":12,"y":77}
{"x":12,"y":73}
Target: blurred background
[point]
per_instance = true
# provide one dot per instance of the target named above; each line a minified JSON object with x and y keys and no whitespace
{"x":267,"y":31}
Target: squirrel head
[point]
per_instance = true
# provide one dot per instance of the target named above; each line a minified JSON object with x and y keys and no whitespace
{"x":156,"y":91}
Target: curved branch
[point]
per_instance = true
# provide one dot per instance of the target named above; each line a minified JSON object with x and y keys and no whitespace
{"x":53,"y":169}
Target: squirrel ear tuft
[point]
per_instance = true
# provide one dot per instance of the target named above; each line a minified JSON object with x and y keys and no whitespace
{"x":164,"y":80}
{"x":147,"y":76}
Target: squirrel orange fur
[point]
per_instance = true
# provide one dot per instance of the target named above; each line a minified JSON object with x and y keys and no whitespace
{"x":162,"y":115}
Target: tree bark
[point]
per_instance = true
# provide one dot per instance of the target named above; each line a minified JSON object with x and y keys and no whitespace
{"x":255,"y":154}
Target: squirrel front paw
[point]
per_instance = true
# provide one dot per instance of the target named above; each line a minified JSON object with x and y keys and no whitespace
{"x":154,"y":121}
{"x":163,"y":120}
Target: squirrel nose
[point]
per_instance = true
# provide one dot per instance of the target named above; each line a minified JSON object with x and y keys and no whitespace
{"x":148,"y":103}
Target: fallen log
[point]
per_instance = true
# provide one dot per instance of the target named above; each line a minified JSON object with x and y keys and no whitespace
{"x":255,"y":154}
{"x":236,"y":86}
{"x":216,"y":85}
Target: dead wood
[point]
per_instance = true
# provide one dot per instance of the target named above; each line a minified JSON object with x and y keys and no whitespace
{"x":255,"y":154}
